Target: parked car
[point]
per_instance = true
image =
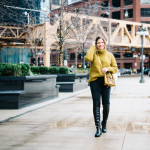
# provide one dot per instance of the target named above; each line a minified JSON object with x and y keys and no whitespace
{"x":125,"y":71}
{"x":118,"y":73}
{"x":146,"y":71}
{"x":149,"y":73}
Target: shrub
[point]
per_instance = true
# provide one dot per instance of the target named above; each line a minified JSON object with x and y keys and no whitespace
{"x":54,"y":70}
{"x":44,"y":70}
{"x":8,"y":70}
{"x":63,"y":70}
{"x":14,"y":69}
{"x":25,"y":69}
{"x":35,"y":70}
{"x":17,"y":69}
{"x":2,"y":65}
{"x":28,"y":66}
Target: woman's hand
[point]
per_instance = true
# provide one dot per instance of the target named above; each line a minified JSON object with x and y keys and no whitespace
{"x":104,"y":70}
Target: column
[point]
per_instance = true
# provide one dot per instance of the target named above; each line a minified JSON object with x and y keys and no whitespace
{"x":136,"y":10}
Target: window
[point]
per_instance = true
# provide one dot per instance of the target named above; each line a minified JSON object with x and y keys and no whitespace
{"x":86,"y":10}
{"x":118,"y":64}
{"x":116,"y":15}
{"x":54,"y":51}
{"x":56,"y":2}
{"x":148,"y":22}
{"x":147,"y":55}
{"x":128,"y":2}
{"x":40,"y":61}
{"x":104,"y":15}
{"x":54,"y":58}
{"x":115,"y":3}
{"x":104,"y":4}
{"x":72,"y":56}
{"x":79,"y":10}
{"x":128,"y":54}
{"x":128,"y":27}
{"x":79,"y":56}
{"x":128,"y":65}
{"x":130,"y":13}
{"x":145,"y":2}
{"x":116,"y":54}
{"x":32,"y":60}
{"x":145,"y":12}
{"x":95,"y":7}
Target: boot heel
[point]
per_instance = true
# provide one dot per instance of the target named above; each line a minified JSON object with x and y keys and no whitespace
{"x":104,"y":129}
{"x":98,"y":132}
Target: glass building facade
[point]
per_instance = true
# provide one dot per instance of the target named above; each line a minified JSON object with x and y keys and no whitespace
{"x":14,"y":55}
{"x":21,"y":12}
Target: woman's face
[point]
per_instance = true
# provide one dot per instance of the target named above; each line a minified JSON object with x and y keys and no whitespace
{"x":100,"y":44}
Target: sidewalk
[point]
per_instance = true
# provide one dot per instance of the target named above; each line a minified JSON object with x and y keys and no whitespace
{"x":67,"y":123}
{"x":5,"y":114}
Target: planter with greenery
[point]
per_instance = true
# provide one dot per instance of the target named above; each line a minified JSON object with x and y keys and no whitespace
{"x":18,"y":89}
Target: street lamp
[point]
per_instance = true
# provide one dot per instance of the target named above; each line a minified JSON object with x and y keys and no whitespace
{"x":27,"y":14}
{"x":143,"y":32}
{"x":126,"y":13}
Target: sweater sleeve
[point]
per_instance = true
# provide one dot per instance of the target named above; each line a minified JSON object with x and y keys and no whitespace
{"x":90,"y":53}
{"x":113,"y":66}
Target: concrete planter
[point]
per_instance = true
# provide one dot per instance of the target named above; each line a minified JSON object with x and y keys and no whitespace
{"x":17,"y":92}
{"x":72,"y":82}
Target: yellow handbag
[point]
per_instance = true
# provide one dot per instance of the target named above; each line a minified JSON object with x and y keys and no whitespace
{"x":109,"y":79}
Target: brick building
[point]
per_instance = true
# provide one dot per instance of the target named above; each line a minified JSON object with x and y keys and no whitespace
{"x":130,"y":10}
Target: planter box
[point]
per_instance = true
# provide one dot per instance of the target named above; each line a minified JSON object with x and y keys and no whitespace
{"x":65,"y":77}
{"x":72,"y":82}
{"x":17,"y":92}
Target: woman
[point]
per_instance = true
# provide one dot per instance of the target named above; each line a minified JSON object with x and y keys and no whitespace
{"x":101,"y":62}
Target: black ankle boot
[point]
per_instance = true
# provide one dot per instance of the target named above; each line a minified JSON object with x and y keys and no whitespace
{"x":98,"y":132}
{"x":104,"y":129}
{"x":105,"y":117}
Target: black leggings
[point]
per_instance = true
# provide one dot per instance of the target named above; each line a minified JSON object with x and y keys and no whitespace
{"x":98,"y":90}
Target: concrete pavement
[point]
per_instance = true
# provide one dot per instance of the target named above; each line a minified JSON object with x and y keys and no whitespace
{"x":67,"y":123}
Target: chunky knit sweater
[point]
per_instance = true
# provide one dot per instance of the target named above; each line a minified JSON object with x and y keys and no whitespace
{"x":100,"y":59}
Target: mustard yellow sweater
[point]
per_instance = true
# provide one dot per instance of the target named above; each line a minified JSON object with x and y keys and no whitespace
{"x":107,"y":60}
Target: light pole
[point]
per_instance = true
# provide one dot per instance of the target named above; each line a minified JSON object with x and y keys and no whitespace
{"x":27,"y":14}
{"x":109,"y":27}
{"x":83,"y":56}
{"x":143,"y":32}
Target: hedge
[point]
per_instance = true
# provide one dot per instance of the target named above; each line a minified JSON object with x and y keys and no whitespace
{"x":24,"y":70}
{"x":43,"y":70}
{"x":35,"y":70}
{"x":63,"y":70}
{"x":53,"y":70}
{"x":14,"y":69}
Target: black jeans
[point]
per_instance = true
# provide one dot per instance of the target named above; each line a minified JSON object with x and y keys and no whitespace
{"x":99,"y":91}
